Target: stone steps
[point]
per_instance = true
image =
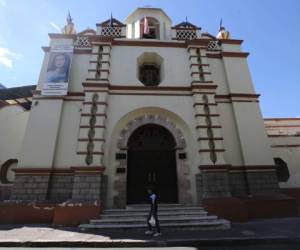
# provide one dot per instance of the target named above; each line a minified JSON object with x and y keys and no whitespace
{"x":144,"y":214}
{"x":171,"y":216}
{"x":207,"y":225}
{"x":168,"y":205}
{"x":161,"y":219}
{"x":146,"y":209}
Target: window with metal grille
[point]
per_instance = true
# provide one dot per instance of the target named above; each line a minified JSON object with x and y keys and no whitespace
{"x":150,"y":74}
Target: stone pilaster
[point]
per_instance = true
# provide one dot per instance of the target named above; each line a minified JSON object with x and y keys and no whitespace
{"x":93,"y":116}
{"x":210,"y":139}
{"x":213,"y":180}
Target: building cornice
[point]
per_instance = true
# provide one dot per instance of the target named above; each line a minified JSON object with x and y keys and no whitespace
{"x":144,"y":42}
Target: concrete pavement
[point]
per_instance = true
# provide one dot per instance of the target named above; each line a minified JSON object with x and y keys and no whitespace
{"x":272,"y":231}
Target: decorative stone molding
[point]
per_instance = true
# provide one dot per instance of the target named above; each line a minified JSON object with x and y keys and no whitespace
{"x":182,"y":169}
{"x":150,"y":119}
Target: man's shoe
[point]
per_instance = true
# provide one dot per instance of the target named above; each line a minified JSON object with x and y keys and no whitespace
{"x":157,"y":234}
{"x":148,"y":232}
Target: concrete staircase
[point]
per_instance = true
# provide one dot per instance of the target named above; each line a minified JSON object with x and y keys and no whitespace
{"x":171,"y":216}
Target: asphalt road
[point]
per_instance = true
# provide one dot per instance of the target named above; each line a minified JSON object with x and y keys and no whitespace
{"x":251,"y":247}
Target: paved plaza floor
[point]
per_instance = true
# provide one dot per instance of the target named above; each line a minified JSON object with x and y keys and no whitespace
{"x":257,"y":232}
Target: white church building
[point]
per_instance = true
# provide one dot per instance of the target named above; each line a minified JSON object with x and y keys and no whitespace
{"x":144,"y":104}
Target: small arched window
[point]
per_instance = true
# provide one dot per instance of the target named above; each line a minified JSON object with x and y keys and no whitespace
{"x":282,"y":170}
{"x":150,"y":68}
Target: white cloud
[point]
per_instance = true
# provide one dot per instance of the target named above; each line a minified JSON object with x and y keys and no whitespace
{"x":55,"y":26}
{"x":7,"y":57}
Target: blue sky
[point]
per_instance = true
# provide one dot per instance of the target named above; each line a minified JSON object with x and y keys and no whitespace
{"x":269,"y":28}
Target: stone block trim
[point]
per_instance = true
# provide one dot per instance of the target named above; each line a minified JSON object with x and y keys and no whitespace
{"x":215,"y":184}
{"x":103,"y":190}
{"x":237,"y":181}
{"x":88,"y":183}
{"x":120,"y":186}
{"x":199,"y":185}
{"x":86,"y":187}
{"x":5,"y":191}
{"x":30,"y":187}
{"x":238,"y":184}
{"x":60,"y":187}
{"x":263,"y":183}
{"x":78,"y":183}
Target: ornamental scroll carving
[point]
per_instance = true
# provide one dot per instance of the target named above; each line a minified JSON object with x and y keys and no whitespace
{"x":150,"y":119}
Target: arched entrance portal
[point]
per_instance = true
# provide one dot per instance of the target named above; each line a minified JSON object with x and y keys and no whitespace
{"x":151,"y":163}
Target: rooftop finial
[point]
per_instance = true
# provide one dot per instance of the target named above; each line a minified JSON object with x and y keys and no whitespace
{"x":69,"y":28}
{"x":69,"y":18}
{"x":111,"y":22}
{"x":223,"y":34}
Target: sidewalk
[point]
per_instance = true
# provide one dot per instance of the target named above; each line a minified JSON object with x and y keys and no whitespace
{"x":271,"y":231}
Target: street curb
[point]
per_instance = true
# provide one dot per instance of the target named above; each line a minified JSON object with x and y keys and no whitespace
{"x":157,"y":243}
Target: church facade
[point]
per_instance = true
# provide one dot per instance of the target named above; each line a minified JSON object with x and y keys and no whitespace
{"x":146,"y":104}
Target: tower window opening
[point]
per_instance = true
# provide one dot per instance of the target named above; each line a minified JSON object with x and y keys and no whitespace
{"x":150,"y":69}
{"x":149,"y":28}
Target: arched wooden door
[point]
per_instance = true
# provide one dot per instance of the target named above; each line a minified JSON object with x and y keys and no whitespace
{"x":151,"y":164}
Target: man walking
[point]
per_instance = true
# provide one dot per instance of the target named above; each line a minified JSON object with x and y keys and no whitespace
{"x":153,"y":213}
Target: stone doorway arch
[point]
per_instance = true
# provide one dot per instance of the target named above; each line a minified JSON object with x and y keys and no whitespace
{"x":183,"y":182}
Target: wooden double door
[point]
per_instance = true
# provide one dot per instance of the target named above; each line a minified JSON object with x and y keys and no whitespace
{"x":151,"y":164}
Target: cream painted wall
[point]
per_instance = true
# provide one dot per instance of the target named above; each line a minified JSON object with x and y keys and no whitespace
{"x":124,"y":68}
{"x":218,"y":75}
{"x":231,"y":47}
{"x":238,"y":75}
{"x":79,"y":72}
{"x":247,"y":116}
{"x":123,"y":109}
{"x":233,"y":154}
{"x":13,"y":120}
{"x":41,"y":133}
{"x":252,"y":136}
{"x":66,"y":147}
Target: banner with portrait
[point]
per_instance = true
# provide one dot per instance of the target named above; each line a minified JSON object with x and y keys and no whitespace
{"x":58,"y":71}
